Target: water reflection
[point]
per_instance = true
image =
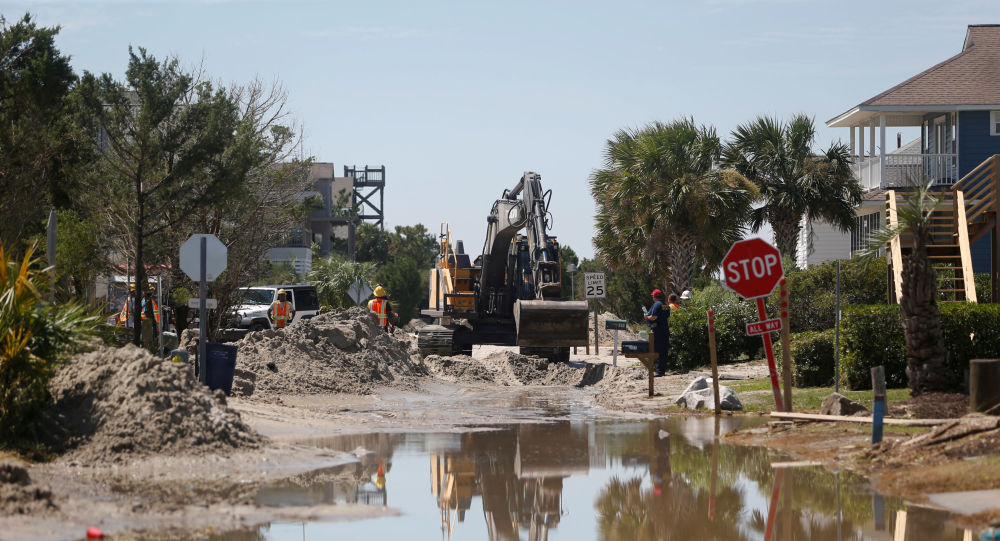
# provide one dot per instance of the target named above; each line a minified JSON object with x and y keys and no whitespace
{"x":662,"y":479}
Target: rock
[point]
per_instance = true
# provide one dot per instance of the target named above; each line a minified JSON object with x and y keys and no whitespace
{"x":838,"y":404}
{"x":699,"y":394}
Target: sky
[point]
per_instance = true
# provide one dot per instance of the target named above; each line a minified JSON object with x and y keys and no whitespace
{"x":458,"y":99}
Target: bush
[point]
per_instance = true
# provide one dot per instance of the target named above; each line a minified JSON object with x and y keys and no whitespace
{"x":812,"y":292}
{"x":873,"y":335}
{"x":689,"y":328}
{"x":984,"y":288}
{"x":812,"y":358}
{"x":35,"y":337}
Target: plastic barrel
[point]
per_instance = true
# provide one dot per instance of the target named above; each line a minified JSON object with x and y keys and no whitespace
{"x":220,"y":366}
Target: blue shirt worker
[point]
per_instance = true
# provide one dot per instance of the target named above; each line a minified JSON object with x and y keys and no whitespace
{"x":658,"y":319}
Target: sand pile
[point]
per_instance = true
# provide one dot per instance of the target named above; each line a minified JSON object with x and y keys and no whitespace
{"x":503,"y":368}
{"x":112,"y":402}
{"x":604,"y":335}
{"x":18,"y":496}
{"x":620,"y":383}
{"x":338,"y":352}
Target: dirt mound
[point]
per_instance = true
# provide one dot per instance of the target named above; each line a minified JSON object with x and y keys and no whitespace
{"x":18,"y":496}
{"x":503,"y":368}
{"x":112,"y":402}
{"x":932,"y":406}
{"x":603,"y":334}
{"x":337,"y":352}
{"x":619,"y":383}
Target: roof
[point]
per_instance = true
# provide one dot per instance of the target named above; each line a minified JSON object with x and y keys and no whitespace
{"x":967,"y":80}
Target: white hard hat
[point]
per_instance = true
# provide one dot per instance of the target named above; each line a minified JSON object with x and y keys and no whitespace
{"x":686,"y":294}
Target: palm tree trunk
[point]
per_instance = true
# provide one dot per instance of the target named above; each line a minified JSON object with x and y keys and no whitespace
{"x":682,"y":260}
{"x":925,"y":354}
{"x":786,"y":234}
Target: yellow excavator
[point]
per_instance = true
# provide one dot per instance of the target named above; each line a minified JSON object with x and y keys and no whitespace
{"x":512,"y":293}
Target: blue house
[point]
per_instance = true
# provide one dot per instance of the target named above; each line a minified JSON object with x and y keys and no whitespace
{"x":956,"y":106}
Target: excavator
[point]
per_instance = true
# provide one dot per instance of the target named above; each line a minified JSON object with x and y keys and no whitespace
{"x":512,"y":293}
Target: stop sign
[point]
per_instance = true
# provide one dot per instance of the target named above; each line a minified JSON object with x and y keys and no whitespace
{"x":752,"y":268}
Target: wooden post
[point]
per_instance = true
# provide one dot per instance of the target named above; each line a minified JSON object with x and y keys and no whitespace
{"x":899,"y":533}
{"x":878,"y":403}
{"x":595,"y":331}
{"x":715,"y":361}
{"x":984,"y":384}
{"x":786,"y":347}
{"x":715,"y":467}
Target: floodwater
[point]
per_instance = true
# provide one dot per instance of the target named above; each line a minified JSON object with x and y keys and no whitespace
{"x":622,"y":480}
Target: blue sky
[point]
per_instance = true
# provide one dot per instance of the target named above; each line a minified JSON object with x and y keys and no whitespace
{"x":457,"y":99}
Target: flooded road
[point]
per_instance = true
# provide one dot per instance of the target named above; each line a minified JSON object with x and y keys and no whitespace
{"x":587,"y":479}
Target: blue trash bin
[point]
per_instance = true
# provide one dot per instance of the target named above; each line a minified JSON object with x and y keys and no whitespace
{"x":220,"y":366}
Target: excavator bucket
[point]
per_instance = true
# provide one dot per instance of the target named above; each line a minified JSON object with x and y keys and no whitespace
{"x":551,"y":323}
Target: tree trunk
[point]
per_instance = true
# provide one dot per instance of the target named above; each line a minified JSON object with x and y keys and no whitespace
{"x":925,"y":354}
{"x":140,"y":270}
{"x":682,"y":261}
{"x":786,"y":234}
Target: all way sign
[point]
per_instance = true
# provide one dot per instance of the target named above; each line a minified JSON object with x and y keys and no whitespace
{"x":761,"y":327}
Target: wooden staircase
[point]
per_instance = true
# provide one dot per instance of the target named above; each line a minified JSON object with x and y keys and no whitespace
{"x":964,"y":214}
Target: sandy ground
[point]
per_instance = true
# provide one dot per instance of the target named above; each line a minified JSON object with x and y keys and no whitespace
{"x":191,"y":496}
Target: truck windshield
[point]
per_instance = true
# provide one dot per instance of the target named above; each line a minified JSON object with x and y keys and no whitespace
{"x":257,"y":296}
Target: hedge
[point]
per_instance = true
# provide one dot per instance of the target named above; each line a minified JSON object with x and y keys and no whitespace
{"x":812,"y":358}
{"x":872,"y":335}
{"x":689,"y":329}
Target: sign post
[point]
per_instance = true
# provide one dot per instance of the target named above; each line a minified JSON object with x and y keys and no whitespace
{"x":615,"y":325}
{"x":786,"y":347}
{"x":751,"y":269}
{"x":594,"y":289}
{"x":715,"y":365}
{"x":203,"y":258}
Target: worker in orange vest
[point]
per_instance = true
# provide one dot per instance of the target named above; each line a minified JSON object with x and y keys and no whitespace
{"x":125,"y":316}
{"x":281,"y":311}
{"x":380,"y":305}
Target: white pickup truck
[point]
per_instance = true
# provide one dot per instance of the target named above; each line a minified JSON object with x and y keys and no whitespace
{"x":251,"y":311}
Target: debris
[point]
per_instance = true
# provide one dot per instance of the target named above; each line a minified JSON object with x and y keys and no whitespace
{"x":343,"y":351}
{"x":113,"y":402}
{"x":18,"y":496}
{"x":838,"y":404}
{"x":699,"y":394}
{"x":508,"y":369}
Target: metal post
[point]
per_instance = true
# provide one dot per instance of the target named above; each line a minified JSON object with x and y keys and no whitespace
{"x":202,"y":317}
{"x":163,"y":314}
{"x":836,"y":334}
{"x":614,"y":352}
{"x":51,"y":249}
{"x":878,"y":402}
{"x":596,"y":347}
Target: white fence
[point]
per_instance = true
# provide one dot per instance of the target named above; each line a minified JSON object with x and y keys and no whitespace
{"x":902,"y":169}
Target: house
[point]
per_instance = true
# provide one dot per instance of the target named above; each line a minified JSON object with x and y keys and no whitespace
{"x":955,"y":104}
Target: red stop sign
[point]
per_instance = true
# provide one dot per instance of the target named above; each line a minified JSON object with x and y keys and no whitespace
{"x":752,"y":268}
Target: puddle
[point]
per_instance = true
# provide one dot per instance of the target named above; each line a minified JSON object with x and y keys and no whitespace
{"x":661,"y":479}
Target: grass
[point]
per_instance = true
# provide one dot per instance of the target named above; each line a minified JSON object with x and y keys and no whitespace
{"x":756,"y":395}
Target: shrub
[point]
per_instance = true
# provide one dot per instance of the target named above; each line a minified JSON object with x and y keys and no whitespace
{"x":813,"y":358}
{"x":984,"y":288}
{"x":689,"y":328}
{"x":873,"y":335}
{"x":35,"y":337}
{"x":812,"y":292}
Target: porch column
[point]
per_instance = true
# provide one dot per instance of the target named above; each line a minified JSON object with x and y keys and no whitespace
{"x":865,"y":169}
{"x":853,"y":147}
{"x":881,"y":128}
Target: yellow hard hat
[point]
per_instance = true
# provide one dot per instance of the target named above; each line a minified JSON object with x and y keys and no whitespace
{"x":282,"y":292}
{"x":379,"y":291}
{"x":131,"y":287}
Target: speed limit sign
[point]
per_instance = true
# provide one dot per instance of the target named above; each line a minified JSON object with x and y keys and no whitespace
{"x":594,"y":285}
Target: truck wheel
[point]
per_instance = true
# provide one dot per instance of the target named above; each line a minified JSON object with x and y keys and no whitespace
{"x":257,"y":326}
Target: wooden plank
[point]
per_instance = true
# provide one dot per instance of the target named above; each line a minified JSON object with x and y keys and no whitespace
{"x":962,"y":227}
{"x":859,"y":420}
{"x":895,"y":249}
{"x":899,"y":534}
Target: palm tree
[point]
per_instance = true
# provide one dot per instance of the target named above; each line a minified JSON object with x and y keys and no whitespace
{"x":793,"y":182}
{"x":662,"y":203}
{"x":924,"y":342}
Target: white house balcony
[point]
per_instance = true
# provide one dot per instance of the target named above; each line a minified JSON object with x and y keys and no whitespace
{"x":902,"y":170}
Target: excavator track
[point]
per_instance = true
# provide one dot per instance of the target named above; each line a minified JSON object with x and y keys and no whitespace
{"x":440,"y":340}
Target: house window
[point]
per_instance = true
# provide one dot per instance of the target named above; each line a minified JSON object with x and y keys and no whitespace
{"x":868,"y":224}
{"x":994,"y":122}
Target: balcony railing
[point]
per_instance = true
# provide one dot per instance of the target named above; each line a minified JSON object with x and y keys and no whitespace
{"x":902,"y":169}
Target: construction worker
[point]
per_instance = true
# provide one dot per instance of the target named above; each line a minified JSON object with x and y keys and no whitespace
{"x":380,"y":305}
{"x":674,"y":301}
{"x":150,"y":317}
{"x":125,"y":316}
{"x":281,"y":311}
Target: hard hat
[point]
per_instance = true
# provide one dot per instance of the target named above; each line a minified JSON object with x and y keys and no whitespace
{"x":379,"y":291}
{"x":282,"y":292}
{"x":686,"y":294}
{"x":131,"y":287}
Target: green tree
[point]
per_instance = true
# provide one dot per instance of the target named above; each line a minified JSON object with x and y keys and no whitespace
{"x":664,"y":206}
{"x":926,"y":362}
{"x":333,"y":275}
{"x":163,"y":137}
{"x":407,"y":286}
{"x":793,"y":181}
{"x":40,"y":148}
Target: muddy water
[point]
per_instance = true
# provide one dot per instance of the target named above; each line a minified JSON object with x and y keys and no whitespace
{"x":661,"y":479}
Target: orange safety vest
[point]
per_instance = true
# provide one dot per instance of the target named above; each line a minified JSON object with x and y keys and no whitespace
{"x":126,"y":311}
{"x":674,"y":306}
{"x":156,"y":311}
{"x":279,"y":312}
{"x":379,"y":306}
